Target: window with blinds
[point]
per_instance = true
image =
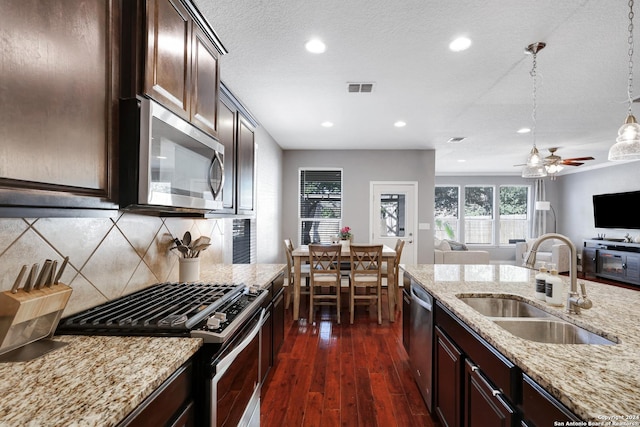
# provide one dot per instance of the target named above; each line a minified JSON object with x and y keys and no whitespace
{"x":244,"y":241}
{"x":320,"y":205}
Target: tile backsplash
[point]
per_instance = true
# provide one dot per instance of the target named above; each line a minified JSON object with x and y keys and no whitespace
{"x":108,"y":257}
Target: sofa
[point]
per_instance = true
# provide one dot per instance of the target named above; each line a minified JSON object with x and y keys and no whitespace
{"x":451,"y":252}
{"x":550,"y":251}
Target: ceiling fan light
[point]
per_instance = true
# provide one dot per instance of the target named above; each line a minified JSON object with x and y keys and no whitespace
{"x":627,"y":146}
{"x":534,"y":159}
{"x":554,"y":168}
{"x":538,"y":171}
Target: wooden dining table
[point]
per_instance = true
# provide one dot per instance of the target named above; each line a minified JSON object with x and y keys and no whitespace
{"x":301,"y":255}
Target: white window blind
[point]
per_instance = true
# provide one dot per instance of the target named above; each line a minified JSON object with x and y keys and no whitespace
{"x":320,"y":205}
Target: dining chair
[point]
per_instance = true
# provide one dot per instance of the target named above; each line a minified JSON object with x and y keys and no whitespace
{"x":304,"y":273}
{"x":366,"y":274}
{"x":392,"y":289}
{"x":325,"y":277}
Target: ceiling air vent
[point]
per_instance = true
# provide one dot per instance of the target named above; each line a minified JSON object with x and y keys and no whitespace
{"x":456,"y":140}
{"x":359,"y":87}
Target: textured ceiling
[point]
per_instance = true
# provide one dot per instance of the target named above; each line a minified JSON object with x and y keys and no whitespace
{"x":483,"y":93}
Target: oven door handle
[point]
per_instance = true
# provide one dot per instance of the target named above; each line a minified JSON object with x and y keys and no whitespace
{"x":224,"y":363}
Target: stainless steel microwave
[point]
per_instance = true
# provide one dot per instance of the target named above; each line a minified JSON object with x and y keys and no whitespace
{"x":167,"y":165}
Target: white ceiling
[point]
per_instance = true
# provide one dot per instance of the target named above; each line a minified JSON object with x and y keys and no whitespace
{"x":483,"y":93}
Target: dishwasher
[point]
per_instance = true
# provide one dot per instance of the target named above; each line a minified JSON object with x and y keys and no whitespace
{"x":421,"y":340}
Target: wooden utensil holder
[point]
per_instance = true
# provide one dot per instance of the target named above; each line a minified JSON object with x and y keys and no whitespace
{"x":26,"y":317}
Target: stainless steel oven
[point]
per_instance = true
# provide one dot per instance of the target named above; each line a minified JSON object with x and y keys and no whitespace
{"x":166,"y":163}
{"x":234,"y":379}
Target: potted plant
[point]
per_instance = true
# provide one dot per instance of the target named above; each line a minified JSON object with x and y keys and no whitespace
{"x":189,"y":262}
{"x":345,"y":233}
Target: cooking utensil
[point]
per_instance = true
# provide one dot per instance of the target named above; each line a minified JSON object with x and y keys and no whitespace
{"x":52,"y":274}
{"x":59,"y":275}
{"x":186,"y":239}
{"x":16,"y":284}
{"x":31,"y":278}
{"x":44,"y":273}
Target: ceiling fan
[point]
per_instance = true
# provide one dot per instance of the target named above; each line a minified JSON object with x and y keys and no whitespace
{"x":554,"y":163}
{"x":554,"y":160}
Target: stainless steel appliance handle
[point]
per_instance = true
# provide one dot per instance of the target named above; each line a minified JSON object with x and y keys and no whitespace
{"x":420,"y":299}
{"x":216,"y":160}
{"x":224,"y":363}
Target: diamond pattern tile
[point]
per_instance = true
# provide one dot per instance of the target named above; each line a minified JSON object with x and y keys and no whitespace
{"x":76,"y":238}
{"x":107,"y":257}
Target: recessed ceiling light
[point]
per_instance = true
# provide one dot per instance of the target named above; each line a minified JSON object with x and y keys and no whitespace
{"x":400,"y":124}
{"x":326,"y":124}
{"x":524,"y":130}
{"x":315,"y":46}
{"x":461,"y":160}
{"x":460,"y":44}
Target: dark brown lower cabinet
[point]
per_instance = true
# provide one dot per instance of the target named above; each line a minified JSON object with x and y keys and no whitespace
{"x":273,"y":328}
{"x":484,"y":405}
{"x":169,"y":405}
{"x":541,"y":409}
{"x":278,"y":322}
{"x":447,"y":380}
{"x":476,"y":386}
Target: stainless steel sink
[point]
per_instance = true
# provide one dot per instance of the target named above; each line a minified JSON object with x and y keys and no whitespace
{"x":551,"y":331}
{"x":503,"y":307}
{"x":529,"y":322}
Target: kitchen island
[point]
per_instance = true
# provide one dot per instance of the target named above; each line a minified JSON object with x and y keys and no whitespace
{"x":91,"y":381}
{"x":592,"y":381}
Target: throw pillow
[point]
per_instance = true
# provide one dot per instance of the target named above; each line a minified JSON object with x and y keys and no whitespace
{"x":442,"y":245}
{"x":457,"y":246}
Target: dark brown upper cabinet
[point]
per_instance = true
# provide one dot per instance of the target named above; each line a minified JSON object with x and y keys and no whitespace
{"x":181,"y":62}
{"x":237,"y":134}
{"x":226,"y":133}
{"x":58,"y":108}
{"x":246,"y":167}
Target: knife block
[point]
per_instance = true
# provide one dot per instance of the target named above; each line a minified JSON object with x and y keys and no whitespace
{"x":26,"y":317}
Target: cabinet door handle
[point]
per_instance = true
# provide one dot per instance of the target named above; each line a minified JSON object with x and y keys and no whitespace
{"x":495,"y":392}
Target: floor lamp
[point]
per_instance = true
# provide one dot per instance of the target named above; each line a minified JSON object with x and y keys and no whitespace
{"x":546,"y":206}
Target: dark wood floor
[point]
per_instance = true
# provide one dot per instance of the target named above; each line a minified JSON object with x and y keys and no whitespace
{"x":351,"y":375}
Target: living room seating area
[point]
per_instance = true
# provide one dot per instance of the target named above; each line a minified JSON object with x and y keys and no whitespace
{"x":451,"y":252}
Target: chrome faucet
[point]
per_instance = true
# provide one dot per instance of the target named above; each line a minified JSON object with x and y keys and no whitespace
{"x":575,"y":301}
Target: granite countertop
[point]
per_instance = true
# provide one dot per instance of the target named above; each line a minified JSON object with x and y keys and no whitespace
{"x":260,"y":275}
{"x":99,"y":380}
{"x":91,"y":381}
{"x":593,"y":381}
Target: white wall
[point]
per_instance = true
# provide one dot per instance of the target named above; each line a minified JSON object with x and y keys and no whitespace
{"x":268,"y":198}
{"x":360,"y":167}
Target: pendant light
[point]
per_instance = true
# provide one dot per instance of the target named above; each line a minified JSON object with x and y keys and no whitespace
{"x":534,"y":168}
{"x":627,"y":146}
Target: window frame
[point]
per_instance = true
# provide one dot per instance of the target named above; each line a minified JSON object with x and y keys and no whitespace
{"x":299,"y":193}
{"x":494,"y":206}
{"x":458,"y":220}
{"x":529,"y":213}
{"x":461,"y":229}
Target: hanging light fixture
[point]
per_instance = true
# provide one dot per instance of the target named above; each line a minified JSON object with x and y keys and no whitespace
{"x":627,"y":146}
{"x":534,"y":168}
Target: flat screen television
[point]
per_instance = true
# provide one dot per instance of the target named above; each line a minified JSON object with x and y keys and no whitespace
{"x":617,"y":210}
